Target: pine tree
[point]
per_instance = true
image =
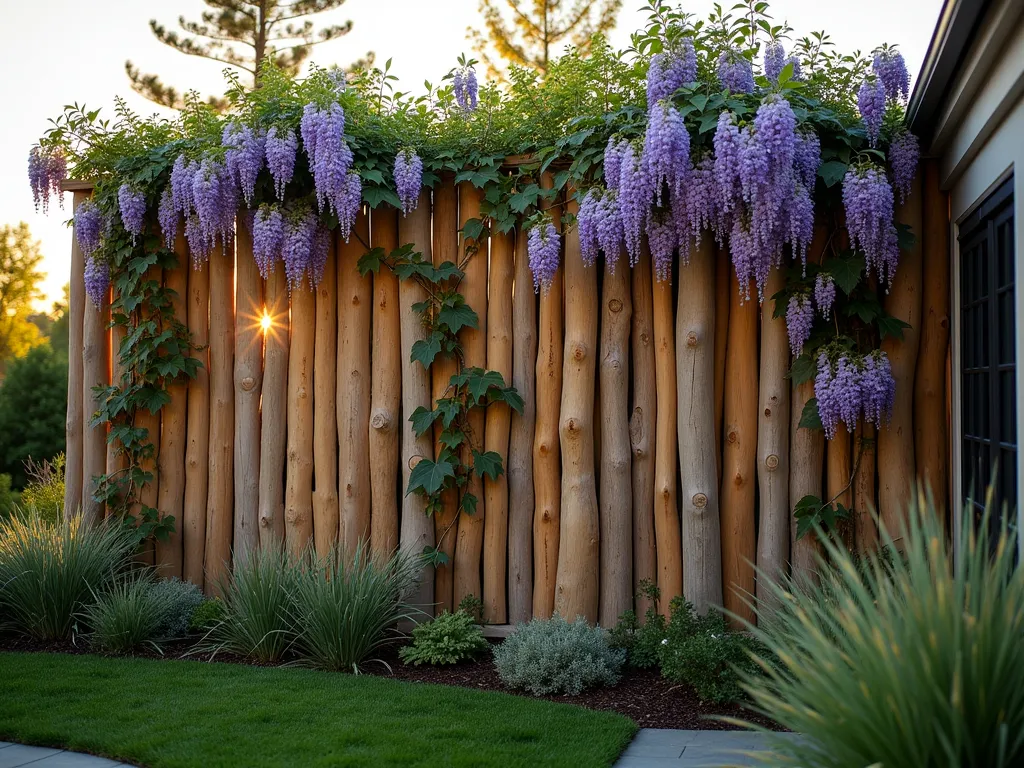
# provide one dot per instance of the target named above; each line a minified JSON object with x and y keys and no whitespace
{"x":241,"y":34}
{"x":538,"y":31}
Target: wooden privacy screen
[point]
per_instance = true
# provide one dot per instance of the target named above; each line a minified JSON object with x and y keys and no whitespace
{"x":660,"y":438}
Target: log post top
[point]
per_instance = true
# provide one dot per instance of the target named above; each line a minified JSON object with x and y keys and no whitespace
{"x":71,"y":185}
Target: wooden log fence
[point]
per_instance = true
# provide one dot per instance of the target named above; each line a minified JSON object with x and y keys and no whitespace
{"x":660,"y":439}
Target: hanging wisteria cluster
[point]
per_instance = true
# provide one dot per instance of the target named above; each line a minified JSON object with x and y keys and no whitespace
{"x":849,"y":387}
{"x":46,"y":170}
{"x":543,"y":249}
{"x":466,"y":88}
{"x":408,"y":179}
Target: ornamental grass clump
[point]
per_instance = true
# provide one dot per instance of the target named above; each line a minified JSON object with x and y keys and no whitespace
{"x":130,"y":614}
{"x":50,"y":572}
{"x":448,"y":639}
{"x":914,"y":660}
{"x":344,"y":612}
{"x":553,"y":656}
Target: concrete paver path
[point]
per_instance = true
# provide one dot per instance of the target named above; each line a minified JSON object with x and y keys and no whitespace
{"x":17,"y":755}
{"x":659,"y":748}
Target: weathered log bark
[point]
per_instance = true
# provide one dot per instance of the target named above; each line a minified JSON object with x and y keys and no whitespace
{"x":498,"y":425}
{"x":298,"y":489}
{"x":171,"y":465}
{"x":445,"y":239}
{"x":325,"y":424}
{"x":773,"y":443}
{"x":806,"y":455}
{"x":76,"y":377}
{"x":148,"y":494}
{"x":838,"y":476}
{"x":520,"y":449}
{"x":931,"y":436}
{"x":274,"y":427}
{"x":386,"y":390}
{"x":197,"y":430}
{"x":667,"y":533}
{"x":641,"y":430}
{"x":576,"y":589}
{"x":219,"y":506}
{"x":696,"y":372}
{"x":117,"y":461}
{"x":865,"y":514}
{"x":469,"y":543}
{"x":417,"y":530}
{"x":739,"y":455}
{"x":723,"y":274}
{"x":248,"y":383}
{"x":897,"y":470}
{"x":95,"y":372}
{"x":616,"y":491}
{"x":355,"y":308}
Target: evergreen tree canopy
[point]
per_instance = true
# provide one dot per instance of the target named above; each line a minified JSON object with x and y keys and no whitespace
{"x":538,"y":30}
{"x":241,"y":34}
{"x":20,"y":258}
{"x":33,"y":408}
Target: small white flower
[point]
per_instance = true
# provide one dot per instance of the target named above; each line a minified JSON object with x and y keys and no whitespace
{"x":665,"y":641}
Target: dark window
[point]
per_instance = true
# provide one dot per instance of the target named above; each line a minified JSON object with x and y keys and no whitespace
{"x":987,"y":354}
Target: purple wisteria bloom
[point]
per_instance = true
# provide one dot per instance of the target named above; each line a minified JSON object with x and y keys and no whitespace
{"x":891,"y":69}
{"x":799,"y":319}
{"x":47,"y":169}
{"x":904,"y":154}
{"x":408,"y":179}
{"x":868,"y":201}
{"x":666,"y":155}
{"x":824,"y":293}
{"x":132,"y":203}
{"x":282,"y":147}
{"x":268,"y":233}
{"x":669,"y":70}
{"x":871,"y":103}
{"x":543,"y":248}
{"x":97,"y":280}
{"x":88,"y":227}
{"x":735,"y":71}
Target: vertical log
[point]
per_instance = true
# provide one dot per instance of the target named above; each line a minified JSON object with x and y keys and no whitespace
{"x":248,"y":383}
{"x":148,"y":494}
{"x":616,"y":491}
{"x":641,"y":429}
{"x":117,"y":462}
{"x":445,"y":241}
{"x":76,"y":376}
{"x":696,"y":372}
{"x":723,"y":273}
{"x":274,"y":424}
{"x":325,"y":423}
{"x":931,"y":436}
{"x":865,"y":524}
{"x":171,"y":462}
{"x":95,"y":370}
{"x":219,"y":507}
{"x":547,"y":481}
{"x":386,"y":390}
{"x":469,"y":543}
{"x":298,"y":489}
{"x":897,"y":471}
{"x":773,"y":443}
{"x":355,"y":308}
{"x":520,"y":449}
{"x":197,"y":430}
{"x":576,"y":592}
{"x":739,"y":454}
{"x":498,"y":425}
{"x":838,"y":477}
{"x":806,"y":455}
{"x":667,"y":533}
{"x":417,"y":529}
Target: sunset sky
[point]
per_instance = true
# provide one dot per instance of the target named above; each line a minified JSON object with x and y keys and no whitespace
{"x":55,"y":52}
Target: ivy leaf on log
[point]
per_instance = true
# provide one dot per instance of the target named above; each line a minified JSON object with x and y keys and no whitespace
{"x":473,"y":229}
{"x":152,"y":399}
{"x":452,"y":438}
{"x":429,"y":476}
{"x":905,"y":236}
{"x":447,"y":270}
{"x":510,"y":396}
{"x":370,"y":261}
{"x":806,"y":514}
{"x":846,"y":271}
{"x":423,"y":419}
{"x":468,"y":505}
{"x":456,"y":315}
{"x":425,"y":350}
{"x":867,"y":309}
{"x":434,"y":556}
{"x":832,"y":172}
{"x":479,"y":382}
{"x":487,"y":464}
{"x":810,"y":418}
{"x":803,"y":369}
{"x":891,"y":326}
{"x":450,"y":410}
{"x":523,"y":199}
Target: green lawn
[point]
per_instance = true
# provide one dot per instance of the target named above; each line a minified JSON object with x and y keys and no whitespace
{"x":182,"y":713}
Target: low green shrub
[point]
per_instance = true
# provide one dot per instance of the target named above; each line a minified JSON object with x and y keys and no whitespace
{"x":552,"y":656}
{"x":702,"y":652}
{"x":207,"y":615}
{"x":183,"y":598}
{"x":48,"y":573}
{"x":43,"y":495}
{"x":914,"y":661}
{"x":9,"y":499}
{"x":130,"y":614}
{"x":344,"y":612}
{"x":641,"y":641}
{"x":257,"y":622}
{"x":448,"y":639}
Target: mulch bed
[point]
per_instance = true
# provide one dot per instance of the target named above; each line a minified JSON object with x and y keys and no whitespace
{"x":642,"y":695}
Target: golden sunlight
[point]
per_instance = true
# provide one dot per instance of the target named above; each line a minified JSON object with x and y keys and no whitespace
{"x":265,"y":322}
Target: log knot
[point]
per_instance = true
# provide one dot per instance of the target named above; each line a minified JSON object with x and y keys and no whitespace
{"x":700,"y":500}
{"x":772,"y":462}
{"x":414,"y":460}
{"x":691,"y":339}
{"x":247,"y":383}
{"x":767,"y":412}
{"x":733,"y":436}
{"x":615,"y":305}
{"x":578,"y":351}
{"x":381,"y":419}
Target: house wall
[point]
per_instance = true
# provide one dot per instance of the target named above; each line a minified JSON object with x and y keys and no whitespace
{"x":979,"y":139}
